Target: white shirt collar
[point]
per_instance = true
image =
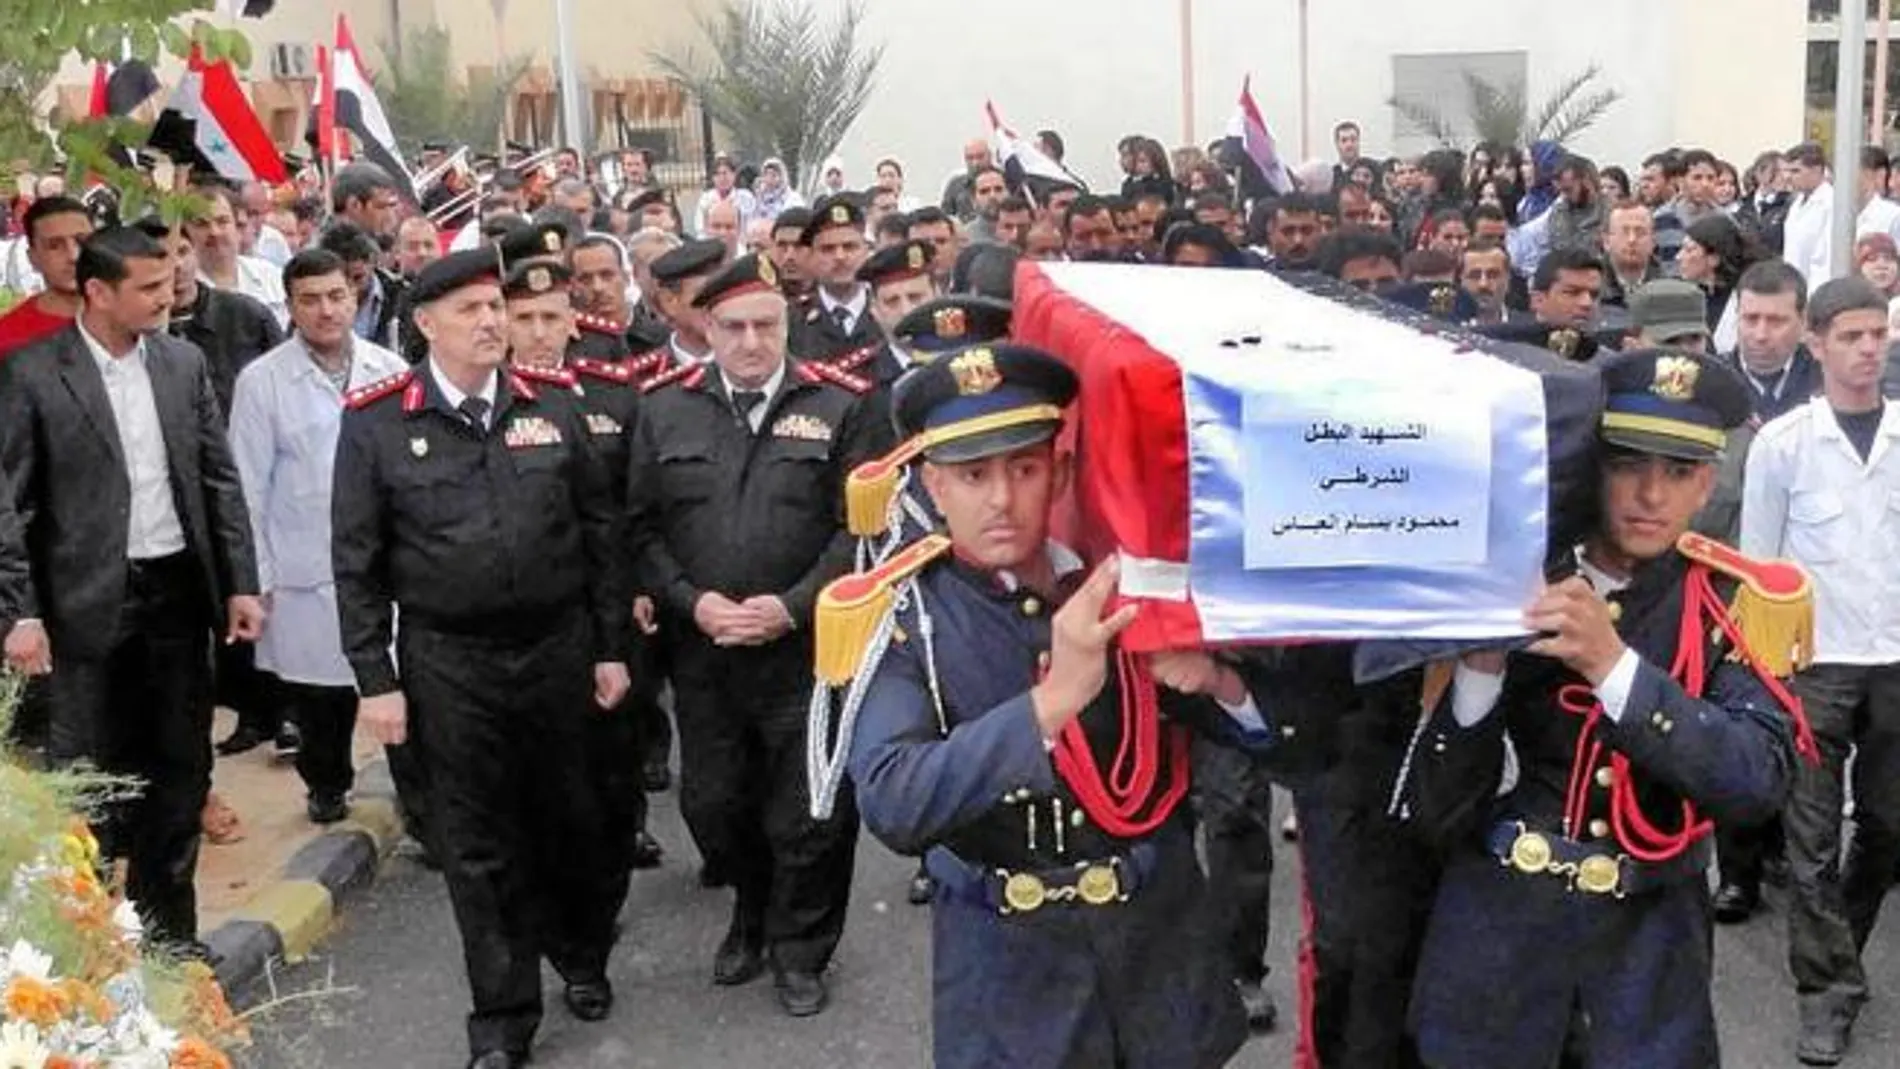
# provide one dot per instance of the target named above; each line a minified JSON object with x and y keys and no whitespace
{"x":454,"y":396}
{"x":310,"y":365}
{"x":770,"y":389}
{"x":686,"y":356}
{"x":855,"y":305}
{"x":103,"y":358}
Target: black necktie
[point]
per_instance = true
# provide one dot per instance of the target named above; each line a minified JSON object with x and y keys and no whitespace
{"x":843,"y":317}
{"x":475,"y":410}
{"x":744,"y":401}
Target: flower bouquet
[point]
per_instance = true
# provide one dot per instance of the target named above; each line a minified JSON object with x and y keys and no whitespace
{"x":78,"y":989}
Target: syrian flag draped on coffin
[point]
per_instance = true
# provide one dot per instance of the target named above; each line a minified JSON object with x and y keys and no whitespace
{"x":1278,"y":462}
{"x":1028,"y":170}
{"x":209,"y":124}
{"x":353,"y":106}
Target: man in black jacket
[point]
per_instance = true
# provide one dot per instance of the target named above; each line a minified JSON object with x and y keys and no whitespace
{"x":382,"y":310}
{"x":139,"y":546}
{"x":231,"y":330}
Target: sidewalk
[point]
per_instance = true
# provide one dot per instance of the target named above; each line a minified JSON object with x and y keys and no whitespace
{"x":243,"y":881}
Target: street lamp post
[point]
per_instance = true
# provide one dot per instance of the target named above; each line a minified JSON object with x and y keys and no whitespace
{"x":573,"y":128}
{"x":1849,"y":83}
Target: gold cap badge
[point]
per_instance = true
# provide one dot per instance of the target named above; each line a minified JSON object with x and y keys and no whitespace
{"x":551,"y":241}
{"x":540,"y":280}
{"x":1443,"y":300}
{"x":840,"y":214}
{"x":1675,"y":378}
{"x":1564,"y":342}
{"x":767,"y":273}
{"x":915,"y":257}
{"x":975,"y":372}
{"x":950,"y":322}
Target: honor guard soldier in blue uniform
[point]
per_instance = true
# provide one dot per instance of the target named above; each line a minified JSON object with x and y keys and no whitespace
{"x":1575,"y":781}
{"x":737,"y":503}
{"x":836,"y":318}
{"x":985,"y":706}
{"x":899,"y":278}
{"x":471,"y":500}
{"x":540,"y":328}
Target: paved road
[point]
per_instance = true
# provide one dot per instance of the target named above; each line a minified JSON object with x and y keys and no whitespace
{"x":387,"y":992}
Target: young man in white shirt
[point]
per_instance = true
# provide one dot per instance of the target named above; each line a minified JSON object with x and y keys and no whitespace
{"x":1820,"y":488}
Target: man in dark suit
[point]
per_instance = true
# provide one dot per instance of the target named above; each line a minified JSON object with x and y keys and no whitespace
{"x":836,"y":320}
{"x":138,"y":544}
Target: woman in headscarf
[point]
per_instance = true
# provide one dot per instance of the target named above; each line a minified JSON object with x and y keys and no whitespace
{"x":1715,"y":251}
{"x":831,"y":177}
{"x":1545,"y":157}
{"x":772,"y":192}
{"x":1877,"y":260}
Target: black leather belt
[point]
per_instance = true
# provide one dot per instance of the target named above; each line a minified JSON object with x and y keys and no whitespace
{"x":1106,"y":882}
{"x":1588,"y":868}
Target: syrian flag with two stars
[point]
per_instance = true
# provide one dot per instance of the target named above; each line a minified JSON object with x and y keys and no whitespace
{"x":210,"y":125}
{"x":1029,"y":171}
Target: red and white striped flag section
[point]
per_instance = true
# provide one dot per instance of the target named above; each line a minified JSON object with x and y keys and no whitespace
{"x":1249,"y":129}
{"x":1026,"y":168}
{"x":352,"y":106}
{"x":209,"y":124}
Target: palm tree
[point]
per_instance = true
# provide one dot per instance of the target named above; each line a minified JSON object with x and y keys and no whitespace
{"x":1502,"y":114}
{"x":779,"y":80}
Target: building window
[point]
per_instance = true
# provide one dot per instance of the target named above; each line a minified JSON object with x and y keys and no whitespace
{"x":1437,"y":82}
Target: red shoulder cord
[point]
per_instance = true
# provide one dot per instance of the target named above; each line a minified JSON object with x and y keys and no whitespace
{"x":1117,"y":806}
{"x":1635,"y":832}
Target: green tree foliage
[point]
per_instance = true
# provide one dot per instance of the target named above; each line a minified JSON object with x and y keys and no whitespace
{"x":782,"y":80}
{"x":427,"y":99}
{"x":40,"y":34}
{"x":1503,"y":115}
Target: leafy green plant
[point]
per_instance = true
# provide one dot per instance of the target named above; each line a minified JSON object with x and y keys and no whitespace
{"x":1501,"y":113}
{"x":781,"y":80}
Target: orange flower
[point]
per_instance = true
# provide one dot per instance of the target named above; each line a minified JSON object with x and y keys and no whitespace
{"x":61,"y":1061}
{"x":34,"y":1001}
{"x":85,"y":999}
{"x":195,"y":1053}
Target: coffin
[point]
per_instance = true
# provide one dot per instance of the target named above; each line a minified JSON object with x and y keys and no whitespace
{"x":1280,"y":460}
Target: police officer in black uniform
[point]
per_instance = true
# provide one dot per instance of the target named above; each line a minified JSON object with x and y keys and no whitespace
{"x":541,"y":339}
{"x":837,"y":316}
{"x":678,"y":276}
{"x":736,"y":495}
{"x":899,"y":280}
{"x":471,"y":499}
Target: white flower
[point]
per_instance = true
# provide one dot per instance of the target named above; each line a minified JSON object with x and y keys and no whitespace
{"x":131,"y":929}
{"x":20,"y":1046}
{"x":138,"y":1032}
{"x":26,"y":960}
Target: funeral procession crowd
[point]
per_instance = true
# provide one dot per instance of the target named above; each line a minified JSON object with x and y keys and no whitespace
{"x":547,"y":476}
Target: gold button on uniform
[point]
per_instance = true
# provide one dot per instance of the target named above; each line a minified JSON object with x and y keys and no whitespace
{"x":1599,"y":828}
{"x":1616,"y":611}
{"x":1031,"y":606}
{"x":1606,"y":777}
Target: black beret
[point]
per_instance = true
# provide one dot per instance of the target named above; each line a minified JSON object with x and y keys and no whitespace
{"x":894,"y":263}
{"x":792,"y":219}
{"x":951,"y":323}
{"x":692,"y":258}
{"x":468,"y":267}
{"x":836,"y":210}
{"x":534,"y":278}
{"x":982,"y":401}
{"x":747,"y":274}
{"x":533,"y":240}
{"x":1671,"y":403}
{"x":640,"y":200}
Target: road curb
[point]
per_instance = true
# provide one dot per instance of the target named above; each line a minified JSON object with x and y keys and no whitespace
{"x":291,"y":915}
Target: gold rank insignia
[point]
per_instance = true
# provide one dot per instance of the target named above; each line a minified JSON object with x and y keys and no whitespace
{"x":802,"y":427}
{"x":950,"y":322}
{"x":915,"y":257}
{"x":601,"y":423}
{"x":1443,"y":300}
{"x":530,"y":431}
{"x":540,"y":280}
{"x":1564,"y":342}
{"x":976,"y":372}
{"x":551,"y":241}
{"x":1675,"y":378}
{"x":767,"y":273}
{"x":418,"y":447}
{"x":841,"y":214}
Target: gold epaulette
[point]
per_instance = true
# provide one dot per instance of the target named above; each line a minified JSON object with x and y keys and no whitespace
{"x":871,"y":485}
{"x":1773,"y":606}
{"x":851,"y":607}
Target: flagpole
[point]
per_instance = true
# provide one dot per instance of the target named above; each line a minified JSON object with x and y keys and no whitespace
{"x":1187,"y":72}
{"x":572,"y":131}
{"x":1306,"y":88}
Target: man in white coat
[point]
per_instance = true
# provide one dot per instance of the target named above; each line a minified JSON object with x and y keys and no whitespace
{"x":285,"y":415}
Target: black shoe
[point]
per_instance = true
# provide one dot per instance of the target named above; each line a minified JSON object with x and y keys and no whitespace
{"x":288,"y":743}
{"x":740,"y":959}
{"x":497,"y":1059}
{"x":1262,"y":1014}
{"x":646,"y":852}
{"x":590,"y":1001}
{"x":243,"y":740}
{"x":1823,"y":1043}
{"x":655,"y":777}
{"x":802,"y":994}
{"x":327,"y":808}
{"x":1735,"y":903}
{"x":922,"y":889}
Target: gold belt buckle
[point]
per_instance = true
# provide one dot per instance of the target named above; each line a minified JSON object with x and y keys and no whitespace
{"x":1023,"y":892}
{"x":1098,"y":885}
{"x":1598,"y":874}
{"x":1530,"y":852}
